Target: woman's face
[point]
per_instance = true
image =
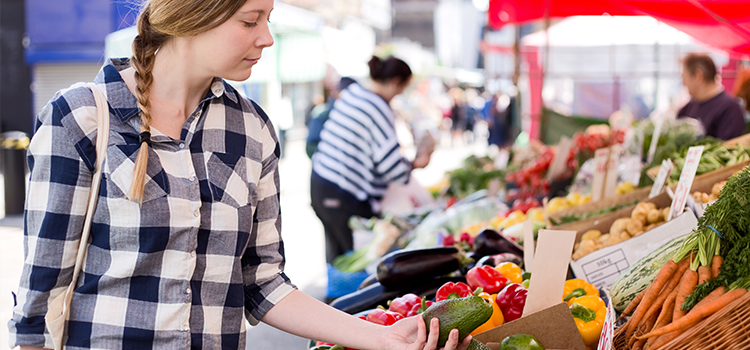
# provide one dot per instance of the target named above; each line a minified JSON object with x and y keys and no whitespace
{"x":232,"y":49}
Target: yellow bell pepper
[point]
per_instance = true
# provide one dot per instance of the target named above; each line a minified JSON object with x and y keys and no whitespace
{"x":510,"y":271}
{"x":557,"y":204}
{"x":497,"y":315}
{"x":536,"y":214}
{"x":589,"y":313}
{"x":513,"y":218}
{"x":577,"y":288}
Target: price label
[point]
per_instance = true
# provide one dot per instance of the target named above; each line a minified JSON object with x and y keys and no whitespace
{"x":610,"y":182}
{"x":600,"y":172}
{"x":686,"y":181}
{"x":608,"y":331}
{"x":661,"y":179}
{"x":655,"y":139}
{"x":560,"y":162}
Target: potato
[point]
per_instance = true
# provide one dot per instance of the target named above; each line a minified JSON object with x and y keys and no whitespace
{"x":640,"y":210}
{"x":665,"y":213}
{"x":634,"y":226}
{"x":622,"y":237}
{"x":698,"y":196}
{"x":654,"y":216}
{"x":649,"y":227}
{"x":604,"y":238}
{"x":585,"y":248}
{"x":619,"y":225}
{"x":641,"y":217}
{"x":716,"y":189}
{"x":591,"y":234}
{"x":639,"y":233}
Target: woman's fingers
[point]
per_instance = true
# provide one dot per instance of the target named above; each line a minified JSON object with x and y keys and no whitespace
{"x":465,"y":343}
{"x":421,"y":330}
{"x":432,"y":338}
{"x":452,"y":342}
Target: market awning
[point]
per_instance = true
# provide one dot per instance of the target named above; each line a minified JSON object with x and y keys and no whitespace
{"x":721,"y":24}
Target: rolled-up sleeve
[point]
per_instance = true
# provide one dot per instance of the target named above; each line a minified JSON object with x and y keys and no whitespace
{"x":55,"y":209}
{"x":263,"y":261}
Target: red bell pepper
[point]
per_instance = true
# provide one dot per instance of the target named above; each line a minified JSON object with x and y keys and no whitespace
{"x":419,"y":308}
{"x":511,"y":301}
{"x":404,"y":304}
{"x":486,"y":277}
{"x":452,"y":290}
{"x":382,"y":317}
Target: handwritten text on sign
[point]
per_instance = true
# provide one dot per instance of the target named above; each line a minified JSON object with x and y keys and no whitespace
{"x":686,"y":181}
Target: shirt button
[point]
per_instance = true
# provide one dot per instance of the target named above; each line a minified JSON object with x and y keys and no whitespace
{"x":187,"y":291}
{"x":192,"y":178}
{"x":192,"y":254}
{"x":196,"y":213}
{"x":182,"y":145}
{"x":186,"y":329}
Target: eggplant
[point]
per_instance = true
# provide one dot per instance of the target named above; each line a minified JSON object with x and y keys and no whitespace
{"x":368,"y":281}
{"x":497,"y":259}
{"x":366,"y":298}
{"x":404,"y":268}
{"x":489,"y":242}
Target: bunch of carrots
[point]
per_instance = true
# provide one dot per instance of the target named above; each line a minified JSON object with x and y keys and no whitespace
{"x":657,"y":315}
{"x":709,"y":272}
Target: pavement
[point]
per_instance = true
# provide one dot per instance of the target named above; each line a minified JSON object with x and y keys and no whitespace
{"x":301,"y":230}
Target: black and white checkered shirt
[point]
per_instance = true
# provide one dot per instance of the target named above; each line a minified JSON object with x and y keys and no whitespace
{"x":181,"y":270}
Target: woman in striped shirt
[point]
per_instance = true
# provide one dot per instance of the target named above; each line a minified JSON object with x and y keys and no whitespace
{"x":358,"y":154}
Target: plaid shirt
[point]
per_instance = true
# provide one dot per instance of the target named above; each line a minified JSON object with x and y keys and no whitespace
{"x":180,"y":270}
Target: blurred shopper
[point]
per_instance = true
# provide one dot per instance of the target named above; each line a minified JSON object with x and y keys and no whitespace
{"x":282,"y":118}
{"x":459,"y":114}
{"x":742,"y":91}
{"x":719,"y":113}
{"x":500,"y":112}
{"x":186,"y":240}
{"x":358,"y":154}
{"x":319,"y":115}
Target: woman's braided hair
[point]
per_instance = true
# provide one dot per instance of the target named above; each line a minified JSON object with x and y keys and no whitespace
{"x":159,"y":21}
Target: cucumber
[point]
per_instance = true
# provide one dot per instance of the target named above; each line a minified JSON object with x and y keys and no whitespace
{"x":638,"y":276}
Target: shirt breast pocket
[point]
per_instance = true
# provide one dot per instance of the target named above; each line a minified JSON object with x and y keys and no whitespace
{"x":228,"y":179}
{"x":118,"y":169}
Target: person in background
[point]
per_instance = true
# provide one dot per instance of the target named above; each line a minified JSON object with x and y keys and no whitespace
{"x":358,"y":154}
{"x":719,"y":113}
{"x":742,"y":91}
{"x":186,"y":243}
{"x":319,"y":115}
{"x":501,"y":109}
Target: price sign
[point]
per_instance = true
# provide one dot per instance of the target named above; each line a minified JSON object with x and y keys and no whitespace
{"x":655,"y":139}
{"x":661,"y":179}
{"x":686,"y":181}
{"x":559,"y":163}
{"x":600,"y":172}
{"x":608,"y":331}
{"x":610,"y":182}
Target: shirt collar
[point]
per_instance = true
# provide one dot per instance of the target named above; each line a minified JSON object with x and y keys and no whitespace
{"x":125,"y":105}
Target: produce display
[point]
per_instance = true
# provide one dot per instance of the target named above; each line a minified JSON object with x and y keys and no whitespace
{"x":644,"y":217}
{"x":461,"y":260}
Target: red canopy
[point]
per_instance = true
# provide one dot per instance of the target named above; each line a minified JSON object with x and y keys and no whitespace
{"x":722,"y":24}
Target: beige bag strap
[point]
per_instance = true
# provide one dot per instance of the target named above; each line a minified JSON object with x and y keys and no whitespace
{"x":102,"y":139}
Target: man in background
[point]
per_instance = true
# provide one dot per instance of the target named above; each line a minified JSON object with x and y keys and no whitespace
{"x":719,"y":113}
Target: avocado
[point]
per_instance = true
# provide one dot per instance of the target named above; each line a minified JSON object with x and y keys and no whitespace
{"x":464,"y":314}
{"x":521,"y":342}
{"x":476,"y":345}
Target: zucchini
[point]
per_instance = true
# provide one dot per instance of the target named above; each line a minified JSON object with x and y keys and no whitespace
{"x":639,"y":275}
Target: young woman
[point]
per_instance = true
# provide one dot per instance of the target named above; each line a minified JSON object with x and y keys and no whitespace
{"x":358,"y":154}
{"x":186,"y":240}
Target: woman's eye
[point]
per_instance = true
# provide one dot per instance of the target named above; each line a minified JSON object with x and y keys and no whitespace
{"x":250,"y":24}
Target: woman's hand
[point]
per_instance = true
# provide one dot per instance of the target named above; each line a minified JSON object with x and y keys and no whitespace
{"x":410,"y":334}
{"x":421,"y":160}
{"x":27,"y":347}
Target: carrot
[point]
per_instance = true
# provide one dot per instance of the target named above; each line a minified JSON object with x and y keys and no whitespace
{"x":633,"y":304}
{"x":664,"y":339}
{"x":638,"y":345}
{"x":704,"y":274}
{"x":666,"y":308}
{"x":652,"y":292}
{"x":716,"y":265}
{"x":715,"y":294}
{"x":698,"y":313}
{"x":659,"y":323}
{"x":687,"y":284}
{"x":666,"y":291}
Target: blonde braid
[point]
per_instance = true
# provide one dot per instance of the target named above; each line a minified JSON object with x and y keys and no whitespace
{"x":145,"y":46}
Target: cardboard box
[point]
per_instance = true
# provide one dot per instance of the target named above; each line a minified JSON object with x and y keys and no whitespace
{"x":553,"y":327}
{"x":602,"y":267}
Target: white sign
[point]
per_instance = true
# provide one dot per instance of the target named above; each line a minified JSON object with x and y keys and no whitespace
{"x":661,"y":178}
{"x":600,"y":171}
{"x":608,"y":331}
{"x":602,"y":267}
{"x":560,"y":162}
{"x":686,"y":181}
{"x":655,"y":139}
{"x":610,"y":182}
